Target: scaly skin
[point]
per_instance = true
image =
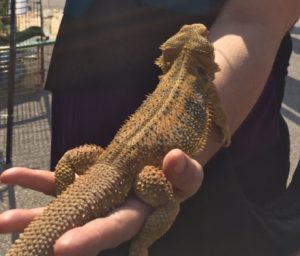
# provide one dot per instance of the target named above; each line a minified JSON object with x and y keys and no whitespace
{"x":178,"y":114}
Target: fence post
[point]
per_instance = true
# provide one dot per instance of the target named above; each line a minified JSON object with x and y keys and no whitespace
{"x":11,"y":83}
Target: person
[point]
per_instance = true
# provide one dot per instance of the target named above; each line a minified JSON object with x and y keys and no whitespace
{"x":243,"y":206}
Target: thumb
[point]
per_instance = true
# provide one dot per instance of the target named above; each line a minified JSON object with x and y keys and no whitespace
{"x":185,"y":173}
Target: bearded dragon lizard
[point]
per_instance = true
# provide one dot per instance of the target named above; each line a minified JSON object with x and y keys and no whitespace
{"x":178,"y":114}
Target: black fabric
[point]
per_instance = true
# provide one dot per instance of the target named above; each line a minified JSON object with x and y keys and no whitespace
{"x":114,"y":44}
{"x":263,"y":177}
{"x":220,"y":220}
{"x":238,"y":209}
{"x":236,"y":214}
{"x":110,"y":50}
{"x":89,"y":117}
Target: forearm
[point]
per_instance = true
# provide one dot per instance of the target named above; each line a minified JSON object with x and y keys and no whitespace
{"x":245,"y":51}
{"x":245,"y":65}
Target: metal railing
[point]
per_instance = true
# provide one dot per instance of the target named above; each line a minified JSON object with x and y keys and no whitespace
{"x":25,"y":53}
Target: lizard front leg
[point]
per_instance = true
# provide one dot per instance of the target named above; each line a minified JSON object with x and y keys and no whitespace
{"x":153,"y":188}
{"x":219,"y":116}
{"x":74,"y":161}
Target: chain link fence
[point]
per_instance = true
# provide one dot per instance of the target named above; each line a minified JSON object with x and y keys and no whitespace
{"x":33,"y":46}
{"x":35,"y":29}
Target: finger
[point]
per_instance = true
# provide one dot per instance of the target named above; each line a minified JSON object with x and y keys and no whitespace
{"x":18,"y":219}
{"x":39,"y":180}
{"x":185,"y":173}
{"x":104,"y":233}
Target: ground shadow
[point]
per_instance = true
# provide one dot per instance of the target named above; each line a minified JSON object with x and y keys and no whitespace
{"x":38,"y":97}
{"x":292,"y":100}
{"x":296,"y":30}
{"x":296,"y":45}
{"x":290,"y":115}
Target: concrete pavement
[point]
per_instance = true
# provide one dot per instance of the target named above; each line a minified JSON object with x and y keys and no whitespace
{"x":54,"y":4}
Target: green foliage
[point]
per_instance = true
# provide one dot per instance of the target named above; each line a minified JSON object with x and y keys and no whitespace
{"x":23,"y":35}
{"x":3,"y":8}
{"x":3,"y":15}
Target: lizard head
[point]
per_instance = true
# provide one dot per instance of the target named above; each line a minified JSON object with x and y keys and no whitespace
{"x":193,"y":40}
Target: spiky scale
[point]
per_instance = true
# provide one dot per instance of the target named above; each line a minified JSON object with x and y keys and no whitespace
{"x":178,"y":114}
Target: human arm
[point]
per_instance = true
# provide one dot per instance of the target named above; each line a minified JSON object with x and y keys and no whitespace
{"x":246,"y":37}
{"x":234,"y":54}
{"x":122,"y":224}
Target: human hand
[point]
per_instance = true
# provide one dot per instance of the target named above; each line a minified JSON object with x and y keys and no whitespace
{"x":103,"y":233}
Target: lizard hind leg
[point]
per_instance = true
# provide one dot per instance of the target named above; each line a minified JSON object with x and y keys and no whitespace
{"x":74,"y":161}
{"x":153,"y":188}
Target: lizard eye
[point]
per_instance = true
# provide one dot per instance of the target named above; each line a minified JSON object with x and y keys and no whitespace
{"x":201,"y":71}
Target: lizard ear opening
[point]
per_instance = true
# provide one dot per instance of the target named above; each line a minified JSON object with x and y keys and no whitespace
{"x":170,"y":50}
{"x":167,"y":58}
